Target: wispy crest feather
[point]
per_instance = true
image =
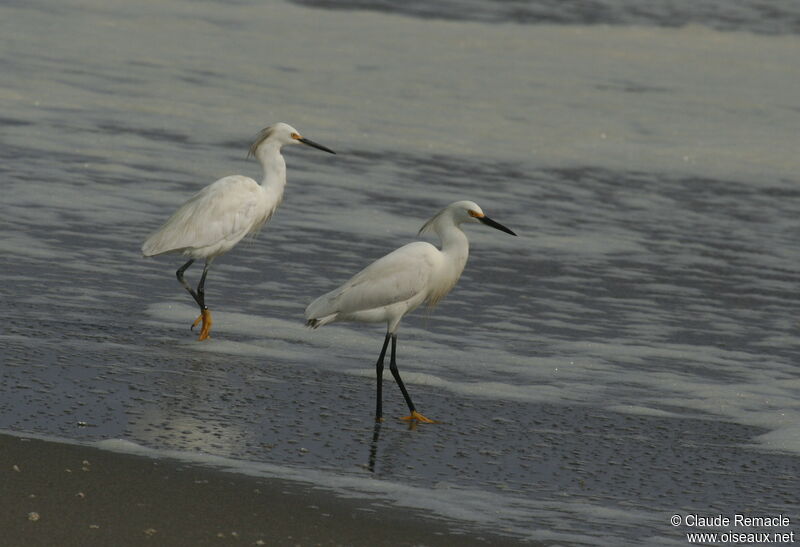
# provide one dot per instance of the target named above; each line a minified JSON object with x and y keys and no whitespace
{"x":430,"y":225}
{"x":263,"y":135}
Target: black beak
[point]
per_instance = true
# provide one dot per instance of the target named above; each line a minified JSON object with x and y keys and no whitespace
{"x":489,"y":222}
{"x":315,"y":145}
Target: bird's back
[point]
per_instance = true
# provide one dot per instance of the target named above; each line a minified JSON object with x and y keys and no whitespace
{"x":212,"y":221}
{"x":403,"y":276}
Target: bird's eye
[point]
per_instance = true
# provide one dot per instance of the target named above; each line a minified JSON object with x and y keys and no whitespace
{"x":475,"y":214}
{"x":295,"y":136}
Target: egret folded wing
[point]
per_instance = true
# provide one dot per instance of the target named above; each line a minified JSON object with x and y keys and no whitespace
{"x":399,"y":276}
{"x":212,"y":221}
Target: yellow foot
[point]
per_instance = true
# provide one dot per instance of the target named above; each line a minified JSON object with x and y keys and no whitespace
{"x":416,"y":416}
{"x":205,"y":318}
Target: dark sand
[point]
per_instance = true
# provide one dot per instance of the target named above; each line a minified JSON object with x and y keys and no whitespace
{"x":62,"y":495}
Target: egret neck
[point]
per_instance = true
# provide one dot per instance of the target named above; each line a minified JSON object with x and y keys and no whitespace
{"x":269,"y":154}
{"x":455,"y":245}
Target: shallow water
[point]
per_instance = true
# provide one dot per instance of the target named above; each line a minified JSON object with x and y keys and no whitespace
{"x":632,"y":355}
{"x":754,"y":16}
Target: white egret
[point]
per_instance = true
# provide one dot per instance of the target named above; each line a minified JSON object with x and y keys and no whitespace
{"x":216,"y":218}
{"x":399,"y":282}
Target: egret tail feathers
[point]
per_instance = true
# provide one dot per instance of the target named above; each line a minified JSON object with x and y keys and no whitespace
{"x":316,"y":322}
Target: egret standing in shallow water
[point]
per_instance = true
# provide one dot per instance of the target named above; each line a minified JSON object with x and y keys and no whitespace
{"x":216,"y":218}
{"x":399,"y":282}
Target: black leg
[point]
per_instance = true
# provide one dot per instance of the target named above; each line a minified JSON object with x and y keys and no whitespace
{"x":179,"y":275}
{"x":379,"y":374}
{"x":199,"y":297}
{"x":201,"y":287}
{"x":396,"y":374}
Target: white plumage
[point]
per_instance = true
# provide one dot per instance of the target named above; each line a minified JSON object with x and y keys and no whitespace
{"x":384,"y":291}
{"x":401,"y":281}
{"x":220,"y":215}
{"x":215,"y":219}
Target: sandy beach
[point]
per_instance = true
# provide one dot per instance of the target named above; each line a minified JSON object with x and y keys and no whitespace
{"x":57,"y":494}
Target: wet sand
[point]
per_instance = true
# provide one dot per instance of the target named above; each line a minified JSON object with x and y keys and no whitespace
{"x":56,"y":494}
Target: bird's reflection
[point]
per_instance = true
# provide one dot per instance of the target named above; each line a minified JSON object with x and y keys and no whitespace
{"x":373,"y":447}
